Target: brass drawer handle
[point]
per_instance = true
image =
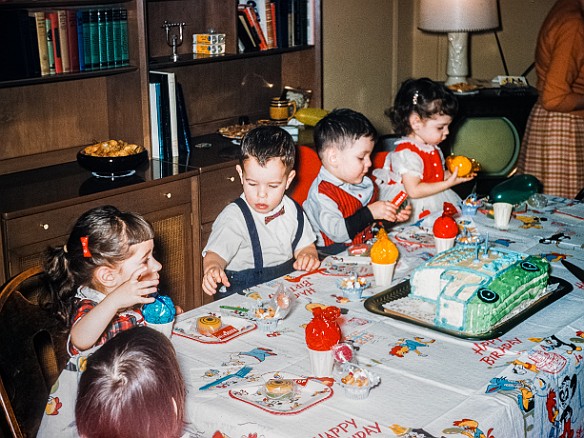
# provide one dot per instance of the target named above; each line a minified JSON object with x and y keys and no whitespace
{"x":45,"y":226}
{"x":168,"y":195}
{"x":231,"y":179}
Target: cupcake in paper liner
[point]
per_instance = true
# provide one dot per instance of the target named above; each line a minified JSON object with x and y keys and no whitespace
{"x":355,"y":380}
{"x":160,"y":311}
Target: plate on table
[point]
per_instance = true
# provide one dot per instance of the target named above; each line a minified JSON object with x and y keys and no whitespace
{"x":415,"y":236}
{"x":232,"y":327}
{"x":309,"y":392}
{"x":422,"y":313}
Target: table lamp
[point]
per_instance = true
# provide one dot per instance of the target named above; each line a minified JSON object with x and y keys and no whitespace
{"x":457,"y":18}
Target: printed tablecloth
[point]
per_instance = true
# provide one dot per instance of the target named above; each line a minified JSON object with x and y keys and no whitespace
{"x":528,"y":382}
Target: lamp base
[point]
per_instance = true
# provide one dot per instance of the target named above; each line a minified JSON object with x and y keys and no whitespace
{"x":457,"y":67}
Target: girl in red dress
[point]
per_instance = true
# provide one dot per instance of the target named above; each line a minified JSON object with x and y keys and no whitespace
{"x":422,"y":111}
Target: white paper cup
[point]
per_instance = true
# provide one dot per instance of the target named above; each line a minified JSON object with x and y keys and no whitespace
{"x":383,"y":273}
{"x":502,"y":212}
{"x":321,"y":362}
{"x":443,"y":243}
{"x":165,"y":329}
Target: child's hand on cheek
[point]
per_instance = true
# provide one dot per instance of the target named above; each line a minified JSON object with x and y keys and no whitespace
{"x":135,"y":290}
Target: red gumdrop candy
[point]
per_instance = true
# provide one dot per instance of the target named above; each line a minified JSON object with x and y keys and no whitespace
{"x":323,"y":331}
{"x":445,"y":227}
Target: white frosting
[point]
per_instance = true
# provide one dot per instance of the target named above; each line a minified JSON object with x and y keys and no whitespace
{"x":455,"y":280}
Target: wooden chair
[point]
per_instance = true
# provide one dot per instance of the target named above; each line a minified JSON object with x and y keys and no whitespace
{"x":33,"y":348}
{"x":307,"y":168}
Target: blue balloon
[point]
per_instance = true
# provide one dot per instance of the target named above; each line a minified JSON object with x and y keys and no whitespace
{"x":160,"y":311}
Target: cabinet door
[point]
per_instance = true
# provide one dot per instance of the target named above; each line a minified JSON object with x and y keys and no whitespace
{"x":175,"y":250}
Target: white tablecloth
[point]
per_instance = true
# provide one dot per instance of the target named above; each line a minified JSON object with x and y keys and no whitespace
{"x":528,"y":382}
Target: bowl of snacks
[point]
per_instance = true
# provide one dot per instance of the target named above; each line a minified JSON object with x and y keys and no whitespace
{"x":112,"y":158}
{"x":353,"y":287}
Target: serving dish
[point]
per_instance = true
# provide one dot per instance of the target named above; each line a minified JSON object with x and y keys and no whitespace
{"x":112,"y":167}
{"x":557,"y":288}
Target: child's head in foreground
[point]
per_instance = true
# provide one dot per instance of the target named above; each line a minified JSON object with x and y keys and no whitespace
{"x":132,"y":386}
{"x":266,"y":166}
{"x":344,"y":140}
{"x":422,"y":101}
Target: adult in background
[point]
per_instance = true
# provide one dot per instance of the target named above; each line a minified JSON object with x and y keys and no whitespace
{"x":553,"y":145}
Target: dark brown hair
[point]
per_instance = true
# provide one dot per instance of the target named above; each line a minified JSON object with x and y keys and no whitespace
{"x":129,"y":386}
{"x":266,"y":142}
{"x":110,"y":235}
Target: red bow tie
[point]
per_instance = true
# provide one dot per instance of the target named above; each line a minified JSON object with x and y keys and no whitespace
{"x":270,"y":218}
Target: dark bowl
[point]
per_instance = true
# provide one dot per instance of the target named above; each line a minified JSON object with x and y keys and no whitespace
{"x":112,"y":167}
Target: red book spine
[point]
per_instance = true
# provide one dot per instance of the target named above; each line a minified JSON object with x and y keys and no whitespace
{"x":72,"y":36}
{"x":273,"y":24}
{"x":253,"y":20}
{"x":54,"y":19}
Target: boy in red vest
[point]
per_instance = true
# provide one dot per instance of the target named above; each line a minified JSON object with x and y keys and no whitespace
{"x":342,"y":202}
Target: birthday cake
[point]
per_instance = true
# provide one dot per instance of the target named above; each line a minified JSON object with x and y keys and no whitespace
{"x":473,"y":290}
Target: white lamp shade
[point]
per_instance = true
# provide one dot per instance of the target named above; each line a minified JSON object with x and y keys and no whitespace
{"x":458,"y":15}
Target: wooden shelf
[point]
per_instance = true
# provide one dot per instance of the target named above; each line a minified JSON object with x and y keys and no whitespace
{"x":67,"y":77}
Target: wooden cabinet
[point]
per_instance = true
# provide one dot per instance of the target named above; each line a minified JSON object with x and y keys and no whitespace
{"x":171,"y":207}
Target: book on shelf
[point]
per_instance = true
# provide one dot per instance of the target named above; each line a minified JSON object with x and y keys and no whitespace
{"x":124,"y":43}
{"x":93,"y":39}
{"x":64,"y":40}
{"x":41,"y":37}
{"x":184,"y":130}
{"x":254,"y":25}
{"x":168,"y":110}
{"x":18,"y":50}
{"x":260,"y":10}
{"x":155,"y":120}
{"x":72,"y":38}
{"x":281,"y":23}
{"x":271,"y":14}
{"x":54,"y":20}
{"x":245,"y":34}
{"x":50,"y":52}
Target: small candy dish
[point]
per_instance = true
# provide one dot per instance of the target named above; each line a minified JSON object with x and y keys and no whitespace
{"x":355,"y":380}
{"x":470,"y":205}
{"x":263,"y":313}
{"x":353,"y":287}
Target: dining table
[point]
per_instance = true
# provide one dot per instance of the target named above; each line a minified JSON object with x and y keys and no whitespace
{"x":524,"y":379}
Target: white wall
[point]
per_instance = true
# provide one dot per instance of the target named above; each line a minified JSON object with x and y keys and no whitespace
{"x":370,"y":46}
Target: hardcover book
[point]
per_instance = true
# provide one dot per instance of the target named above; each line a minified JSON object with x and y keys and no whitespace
{"x":72,"y":40}
{"x":54,"y":20}
{"x":64,"y":40}
{"x":50,"y":52}
{"x":41,"y":36}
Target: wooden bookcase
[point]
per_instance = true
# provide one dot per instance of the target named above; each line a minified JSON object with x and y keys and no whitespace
{"x":45,"y":121}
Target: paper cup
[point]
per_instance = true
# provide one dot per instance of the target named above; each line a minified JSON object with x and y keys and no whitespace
{"x":443,"y":243}
{"x":165,"y":329}
{"x":321,"y":363}
{"x":502,"y":212}
{"x":383,"y":273}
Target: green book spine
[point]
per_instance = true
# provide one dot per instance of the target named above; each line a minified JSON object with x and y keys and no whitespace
{"x":52,"y":70}
{"x":86,"y":40}
{"x":109,"y":28}
{"x":124,"y":48}
{"x":116,"y":37}
{"x":102,"y":39}
{"x":94,"y":39}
